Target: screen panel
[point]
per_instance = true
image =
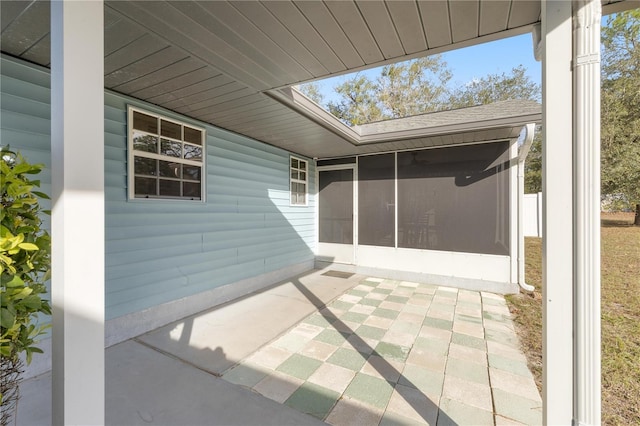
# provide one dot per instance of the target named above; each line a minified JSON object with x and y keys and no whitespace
{"x":335,"y":210}
{"x":455,"y":199}
{"x":376,"y":200}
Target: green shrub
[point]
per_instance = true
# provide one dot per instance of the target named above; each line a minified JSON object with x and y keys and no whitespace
{"x":25,"y":260}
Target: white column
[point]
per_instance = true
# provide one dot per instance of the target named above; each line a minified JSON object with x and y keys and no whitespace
{"x":77,"y":157}
{"x":586,"y":156}
{"x":557,"y":243}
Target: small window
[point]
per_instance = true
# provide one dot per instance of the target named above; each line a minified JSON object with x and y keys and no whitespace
{"x":165,"y":158}
{"x":299,"y":179}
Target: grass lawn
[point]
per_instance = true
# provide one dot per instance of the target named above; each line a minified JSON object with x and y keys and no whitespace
{"x":620,"y":317}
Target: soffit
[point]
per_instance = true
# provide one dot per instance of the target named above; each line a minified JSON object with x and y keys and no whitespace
{"x":215,"y":60}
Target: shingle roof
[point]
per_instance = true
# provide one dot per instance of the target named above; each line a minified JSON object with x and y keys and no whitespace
{"x":502,"y":110}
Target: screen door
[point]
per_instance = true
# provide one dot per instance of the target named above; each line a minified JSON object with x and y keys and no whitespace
{"x":336,"y":214}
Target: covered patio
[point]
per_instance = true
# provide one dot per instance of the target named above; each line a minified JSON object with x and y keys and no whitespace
{"x":323,"y":346}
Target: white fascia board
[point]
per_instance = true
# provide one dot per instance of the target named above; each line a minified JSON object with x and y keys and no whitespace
{"x":296,"y":100}
{"x":513,"y":122}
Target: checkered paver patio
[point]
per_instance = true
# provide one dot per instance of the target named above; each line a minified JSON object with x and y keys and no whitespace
{"x":395,"y":352}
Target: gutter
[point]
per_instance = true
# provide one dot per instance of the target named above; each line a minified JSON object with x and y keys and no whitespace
{"x":530,"y":130}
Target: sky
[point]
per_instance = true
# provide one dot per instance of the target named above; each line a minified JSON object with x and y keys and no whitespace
{"x":495,"y":57}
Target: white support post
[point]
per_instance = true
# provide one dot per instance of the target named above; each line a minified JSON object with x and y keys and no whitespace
{"x":586,"y":161}
{"x":557,"y":246}
{"x":77,"y":157}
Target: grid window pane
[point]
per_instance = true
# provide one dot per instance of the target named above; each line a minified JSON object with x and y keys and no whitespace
{"x":191,"y":172}
{"x":169,"y":188}
{"x":145,"y":166}
{"x":144,"y":122}
{"x":170,"y":148}
{"x":145,"y":186}
{"x":170,"y":169}
{"x":170,"y":130}
{"x":191,"y":189}
{"x":146,"y":143}
{"x":192,"y":152}
{"x":192,"y":135}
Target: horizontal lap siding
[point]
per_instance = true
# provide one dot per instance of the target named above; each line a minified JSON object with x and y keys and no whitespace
{"x":26,"y":122}
{"x":159,"y":251}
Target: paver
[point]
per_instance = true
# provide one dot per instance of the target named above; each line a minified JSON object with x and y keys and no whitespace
{"x":412,"y":405}
{"x":370,"y":332}
{"x":349,"y":411}
{"x":313,"y":399}
{"x":348,"y":358}
{"x":332,"y":377}
{"x":517,"y":408}
{"x":426,"y":381}
{"x":436,"y":346}
{"x":370,"y":390}
{"x":299,"y":366}
{"x":468,"y":392}
{"x":470,"y":341}
{"x":453,"y":413}
{"x":438,"y":323}
{"x":425,"y":358}
{"x":514,"y":383}
{"x":386,"y":369}
{"x":508,"y":364}
{"x":467,"y":370}
{"x":278,"y":386}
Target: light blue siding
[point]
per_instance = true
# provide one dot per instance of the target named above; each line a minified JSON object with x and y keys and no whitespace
{"x":158,"y":251}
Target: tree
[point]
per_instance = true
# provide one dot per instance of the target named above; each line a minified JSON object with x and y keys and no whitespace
{"x":496,"y":87}
{"x":312,"y":91}
{"x":358,"y":103}
{"x":400,"y":90}
{"x":533,"y":165}
{"x":620,"y":130}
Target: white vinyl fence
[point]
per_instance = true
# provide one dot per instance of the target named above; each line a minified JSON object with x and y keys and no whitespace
{"x":533,"y":215}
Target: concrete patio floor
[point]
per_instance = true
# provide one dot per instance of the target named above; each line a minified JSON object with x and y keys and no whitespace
{"x":322,"y":348}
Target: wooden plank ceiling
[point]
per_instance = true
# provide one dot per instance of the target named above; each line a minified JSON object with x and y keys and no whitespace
{"x":215,"y":60}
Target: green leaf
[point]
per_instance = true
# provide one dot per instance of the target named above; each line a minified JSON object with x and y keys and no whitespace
{"x":32,"y":302}
{"x":28,"y":246}
{"x":7,"y":319}
{"x":41,"y":195}
{"x":21,"y":168}
{"x":16,"y":281}
{"x":5,"y":350}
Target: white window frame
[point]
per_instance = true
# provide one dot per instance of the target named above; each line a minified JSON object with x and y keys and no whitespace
{"x":293,"y":180}
{"x":133,"y":153}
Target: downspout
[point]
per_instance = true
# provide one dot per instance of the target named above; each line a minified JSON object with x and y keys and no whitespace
{"x":530,"y":130}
